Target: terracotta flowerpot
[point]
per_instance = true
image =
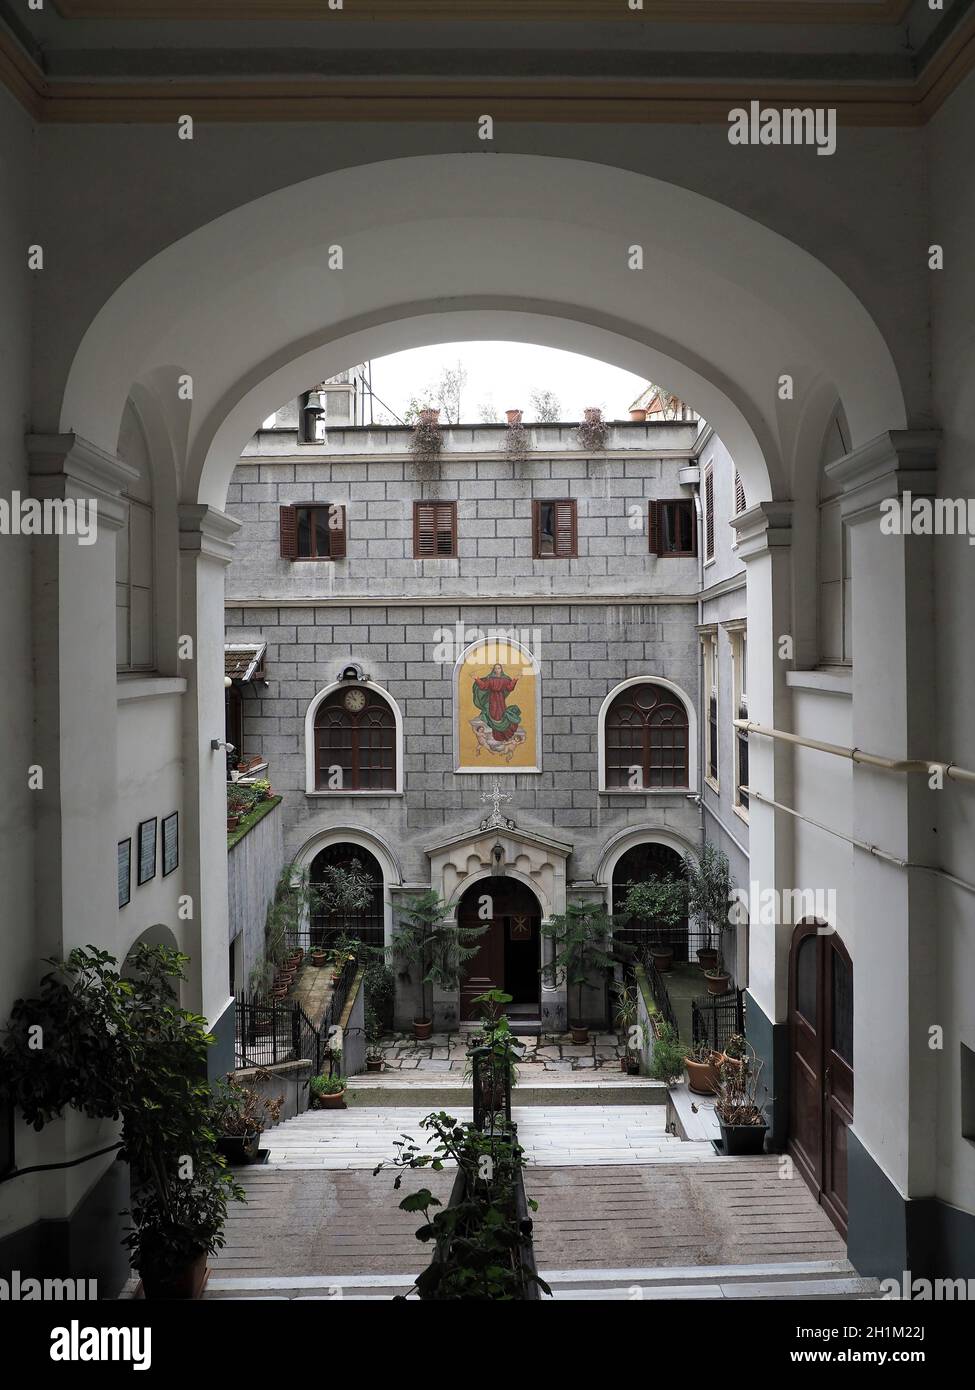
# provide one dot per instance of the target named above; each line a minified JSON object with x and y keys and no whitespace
{"x":280,"y":992}
{"x":232,"y":822}
{"x":707,"y":958}
{"x":639,"y":416}
{"x":430,"y":417}
{"x":332,"y":1102}
{"x":422,"y":1028}
{"x":184,"y":1283}
{"x":580,"y":1033}
{"x":701,"y":1077}
{"x":662,"y":957}
{"x":513,"y":417}
{"x":319,"y":958}
{"x":374,"y":1064}
{"x":718,"y":984}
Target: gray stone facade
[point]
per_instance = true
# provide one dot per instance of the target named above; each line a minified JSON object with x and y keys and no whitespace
{"x":614,"y":613}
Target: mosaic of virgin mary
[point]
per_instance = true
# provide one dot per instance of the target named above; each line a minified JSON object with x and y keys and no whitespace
{"x":498,"y":725}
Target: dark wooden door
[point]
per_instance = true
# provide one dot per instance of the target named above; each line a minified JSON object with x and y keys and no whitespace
{"x":821,"y":1043}
{"x":510,"y":905}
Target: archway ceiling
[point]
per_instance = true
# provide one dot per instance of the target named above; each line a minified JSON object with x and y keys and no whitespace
{"x":447,"y":247}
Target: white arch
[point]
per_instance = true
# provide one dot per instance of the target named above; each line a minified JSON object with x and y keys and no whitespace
{"x":311,"y":789}
{"x":538,"y":893}
{"x":617,"y":845}
{"x":249,"y":309}
{"x":688,"y":704}
{"x":366,"y":839}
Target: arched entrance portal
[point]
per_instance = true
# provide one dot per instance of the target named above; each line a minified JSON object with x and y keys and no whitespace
{"x":509,"y":955}
{"x":821,"y":1046}
{"x":367,"y":922}
{"x":638,"y":864}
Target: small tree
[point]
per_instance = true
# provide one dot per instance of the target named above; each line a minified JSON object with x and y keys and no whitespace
{"x":435,"y":948}
{"x":661,"y":902}
{"x":546,"y":406}
{"x":579,"y":936}
{"x":709,"y":886}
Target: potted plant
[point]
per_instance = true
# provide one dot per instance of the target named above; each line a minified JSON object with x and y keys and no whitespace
{"x":734,"y":1051}
{"x":435,"y":948}
{"x":240,"y":1116}
{"x":667,"y":1062}
{"x":638,"y":415}
{"x":579,"y":938}
{"x":426,"y":442}
{"x":513,"y":417}
{"x":709,"y":888}
{"x":702,"y":1076}
{"x":718,"y":979}
{"x":135,"y":1055}
{"x":496,"y":1051}
{"x":742,"y":1120}
{"x":328,"y":1092}
{"x":662,"y":903}
{"x":593,"y":431}
{"x":375,"y":1057}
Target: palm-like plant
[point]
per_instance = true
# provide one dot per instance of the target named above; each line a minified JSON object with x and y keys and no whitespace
{"x":709,"y":886}
{"x":580,"y":937}
{"x":434,"y":946}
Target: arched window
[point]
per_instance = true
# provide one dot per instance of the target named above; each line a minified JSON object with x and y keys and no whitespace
{"x":134,"y":556}
{"x":367,"y":922}
{"x":355,"y":741}
{"x":646,"y":739}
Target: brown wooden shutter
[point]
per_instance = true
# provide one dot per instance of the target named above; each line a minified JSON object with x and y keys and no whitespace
{"x":336,"y":532}
{"x":288,"y":531}
{"x":709,"y":514}
{"x":434,"y":530}
{"x":739,"y":495}
{"x":654,"y":527}
{"x":566,"y":535}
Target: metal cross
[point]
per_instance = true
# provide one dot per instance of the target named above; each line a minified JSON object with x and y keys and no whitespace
{"x":496,"y":821}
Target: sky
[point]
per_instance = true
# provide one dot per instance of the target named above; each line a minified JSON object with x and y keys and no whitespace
{"x":501,"y":376}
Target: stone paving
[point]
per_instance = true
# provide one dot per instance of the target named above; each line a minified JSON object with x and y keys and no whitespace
{"x":548,"y":1053}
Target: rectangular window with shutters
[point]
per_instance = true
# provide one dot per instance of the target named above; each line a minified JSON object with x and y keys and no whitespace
{"x":313,"y":531}
{"x":554,"y":530}
{"x":434,"y":530}
{"x":709,"y":513}
{"x":672,"y":529}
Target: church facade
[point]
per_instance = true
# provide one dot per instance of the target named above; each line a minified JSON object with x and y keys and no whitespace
{"x":481,"y":667}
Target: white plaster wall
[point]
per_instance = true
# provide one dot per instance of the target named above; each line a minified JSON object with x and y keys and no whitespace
{"x":824,"y":793}
{"x":16,"y":737}
{"x":952,"y":224}
{"x":150,"y":783}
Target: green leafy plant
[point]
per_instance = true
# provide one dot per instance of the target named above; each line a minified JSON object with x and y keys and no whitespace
{"x":239,"y":1110}
{"x":579,"y":936}
{"x":626,"y":1006}
{"x":709,"y":887}
{"x":437,"y":949}
{"x":667,"y":1062}
{"x":497,"y":1049}
{"x":122,"y":1048}
{"x":660,"y":902}
{"x":324,"y":1085}
{"x":481,"y":1244}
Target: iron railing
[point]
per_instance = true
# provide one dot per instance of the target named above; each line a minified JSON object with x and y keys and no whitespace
{"x":491,"y":1066}
{"x":269,"y":1031}
{"x":716,"y":1018}
{"x":684,"y":940}
{"x":659,"y":992}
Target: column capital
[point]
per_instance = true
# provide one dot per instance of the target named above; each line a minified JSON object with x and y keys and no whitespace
{"x":896,"y":462}
{"x":65,"y":466}
{"x":763,"y":528}
{"x":206,"y":531}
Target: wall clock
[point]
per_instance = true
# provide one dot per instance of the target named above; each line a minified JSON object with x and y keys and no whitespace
{"x":355,"y":700}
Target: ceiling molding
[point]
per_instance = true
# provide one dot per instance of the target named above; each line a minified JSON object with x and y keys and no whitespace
{"x":522,"y":11}
{"x":531,"y":100}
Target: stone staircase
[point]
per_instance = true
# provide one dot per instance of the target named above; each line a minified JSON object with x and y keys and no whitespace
{"x":799,"y":1280}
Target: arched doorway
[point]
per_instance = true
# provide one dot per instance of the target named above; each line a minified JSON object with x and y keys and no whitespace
{"x":368,"y":923}
{"x":821,"y":1055}
{"x":637,"y":864}
{"x":509,"y":954}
